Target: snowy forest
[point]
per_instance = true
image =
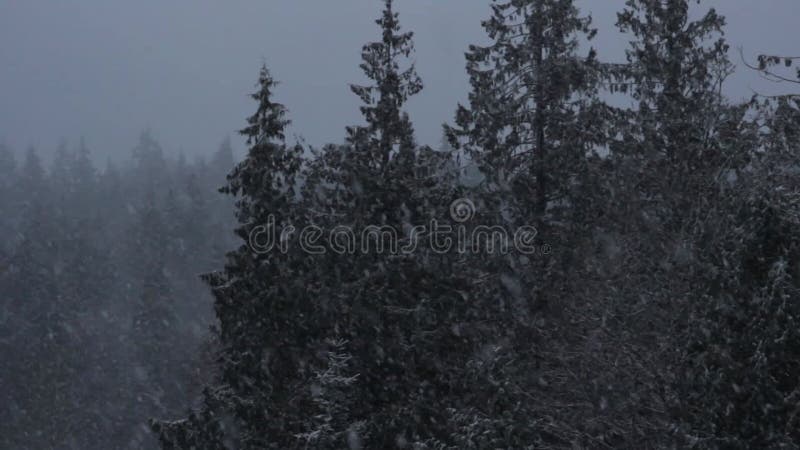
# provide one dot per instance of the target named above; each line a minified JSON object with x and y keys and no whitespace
{"x":649,"y":299}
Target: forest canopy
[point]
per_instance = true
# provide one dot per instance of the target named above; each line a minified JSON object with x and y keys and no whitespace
{"x":608,"y":276}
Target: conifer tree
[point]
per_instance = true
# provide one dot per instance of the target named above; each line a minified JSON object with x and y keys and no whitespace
{"x":741,"y":345}
{"x":676,"y":68}
{"x":222,"y":161}
{"x":526,"y":122}
{"x":391,"y":315}
{"x":532,"y":120}
{"x":84,"y":175}
{"x":8,"y":197}
{"x":263,"y":312}
{"x":388,"y":127}
{"x":148,"y":156}
{"x":688,"y":173}
{"x":382,"y":152}
{"x":222,"y":220}
{"x":59,"y":172}
{"x":37,"y":307}
{"x":32,"y":177}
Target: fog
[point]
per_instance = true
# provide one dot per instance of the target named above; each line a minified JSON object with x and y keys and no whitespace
{"x":503,"y":240}
{"x":106,"y":70}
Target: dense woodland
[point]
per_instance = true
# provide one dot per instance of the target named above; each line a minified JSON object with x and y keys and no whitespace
{"x":105,"y":322}
{"x":665,"y":315}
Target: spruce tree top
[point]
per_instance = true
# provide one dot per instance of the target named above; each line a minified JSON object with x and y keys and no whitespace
{"x":265,"y":180}
{"x":387,"y":125}
{"x":269,"y":122}
{"x":673,"y":58}
{"x":524,"y":86}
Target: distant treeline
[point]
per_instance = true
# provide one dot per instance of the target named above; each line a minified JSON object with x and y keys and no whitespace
{"x":104,"y":321}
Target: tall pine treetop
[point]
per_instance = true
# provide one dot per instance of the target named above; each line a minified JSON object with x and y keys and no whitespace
{"x":392,"y":87}
{"x":672,"y":55}
{"x":676,"y":67}
{"x":268,"y":122}
{"x":265,"y":180}
{"x":529,"y":89}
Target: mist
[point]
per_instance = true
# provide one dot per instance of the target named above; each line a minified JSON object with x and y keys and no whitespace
{"x":108,"y":70}
{"x":410,"y":224}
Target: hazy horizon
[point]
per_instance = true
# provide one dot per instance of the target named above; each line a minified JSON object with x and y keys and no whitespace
{"x":108,"y":70}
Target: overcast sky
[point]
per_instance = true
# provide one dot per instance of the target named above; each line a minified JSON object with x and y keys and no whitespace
{"x":106,"y":69}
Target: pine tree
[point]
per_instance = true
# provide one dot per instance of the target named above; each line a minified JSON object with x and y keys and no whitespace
{"x":381,"y":154}
{"x":148,"y":156}
{"x":687,"y":181}
{"x":73,"y":178}
{"x":527,"y":117}
{"x":742,"y":342}
{"x":676,"y":67}
{"x":159,"y":367}
{"x":32,"y":177}
{"x":59,"y":170}
{"x":42,"y":318}
{"x":394,"y":314}
{"x":221,"y":220}
{"x":8,"y":198}
{"x":532,"y":121}
{"x":85,"y":178}
{"x":222,"y":161}
{"x":389,"y":128}
{"x":735,"y":388}
{"x":261,"y":307}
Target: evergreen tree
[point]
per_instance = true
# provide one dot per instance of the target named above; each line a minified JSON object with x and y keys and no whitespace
{"x":261,"y":308}
{"x":81,"y":282}
{"x":532,"y":121}
{"x":389,"y":128}
{"x":683,"y":163}
{"x":381,"y":154}
{"x":59,"y":171}
{"x":222,"y":213}
{"x":526,"y":124}
{"x":84,"y":175}
{"x":148,"y":157}
{"x":742,"y":341}
{"x":160,"y":366}
{"x":676,"y":67}
{"x":73,"y":178}
{"x":391,"y":318}
{"x":32,"y":178}
{"x":222,"y":161}
{"x":8,"y":199}
{"x":41,"y":319}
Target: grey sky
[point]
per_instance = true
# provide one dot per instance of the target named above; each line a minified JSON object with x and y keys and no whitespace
{"x":107,"y":69}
